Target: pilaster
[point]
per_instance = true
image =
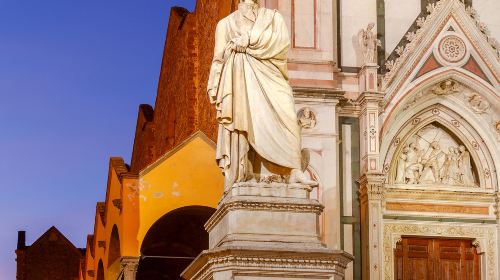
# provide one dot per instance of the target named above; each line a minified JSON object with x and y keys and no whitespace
{"x":369,"y":132}
{"x":371,"y":196}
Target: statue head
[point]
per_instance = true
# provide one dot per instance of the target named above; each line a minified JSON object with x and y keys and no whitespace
{"x":414,"y":146}
{"x":250,"y":1}
{"x":370,"y":26}
{"x":435,"y":145}
{"x":307,"y":112}
{"x":461,"y":148}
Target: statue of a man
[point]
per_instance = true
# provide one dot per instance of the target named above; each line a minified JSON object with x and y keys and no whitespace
{"x":258,"y":132}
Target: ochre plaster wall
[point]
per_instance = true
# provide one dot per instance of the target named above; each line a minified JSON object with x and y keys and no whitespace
{"x":186,"y":176}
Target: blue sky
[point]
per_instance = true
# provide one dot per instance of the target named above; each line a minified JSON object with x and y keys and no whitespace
{"x":72,"y":75}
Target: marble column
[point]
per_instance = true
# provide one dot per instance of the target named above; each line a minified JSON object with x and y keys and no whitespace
{"x":129,"y":266}
{"x":369,"y":131}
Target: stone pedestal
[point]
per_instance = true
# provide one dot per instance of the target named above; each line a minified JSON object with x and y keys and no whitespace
{"x":368,"y":78}
{"x":267,"y":231}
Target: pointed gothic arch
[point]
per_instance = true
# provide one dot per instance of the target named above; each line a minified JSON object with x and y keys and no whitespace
{"x":457,"y":127}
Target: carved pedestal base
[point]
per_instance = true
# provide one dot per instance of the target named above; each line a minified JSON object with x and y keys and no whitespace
{"x":229,"y":263}
{"x":368,"y":77}
{"x":256,"y":233}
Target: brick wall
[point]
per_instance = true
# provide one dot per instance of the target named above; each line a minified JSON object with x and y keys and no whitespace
{"x":182,"y":105}
{"x":52,"y":257}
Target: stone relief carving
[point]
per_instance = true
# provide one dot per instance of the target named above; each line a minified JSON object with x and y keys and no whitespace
{"x":306,"y":117}
{"x":446,"y":87}
{"x":432,"y":156}
{"x":369,"y":43}
{"x":452,"y":48}
{"x":477,"y":103}
{"x":496,"y":126}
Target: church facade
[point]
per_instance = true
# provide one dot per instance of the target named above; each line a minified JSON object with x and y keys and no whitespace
{"x":399,"y":105}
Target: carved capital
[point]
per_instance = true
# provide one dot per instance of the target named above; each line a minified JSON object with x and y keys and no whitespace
{"x":372,"y":186}
{"x":129,"y":267}
{"x":366,"y":99}
{"x":497,"y":205}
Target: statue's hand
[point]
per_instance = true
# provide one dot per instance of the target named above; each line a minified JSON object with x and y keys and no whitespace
{"x":241,"y":43}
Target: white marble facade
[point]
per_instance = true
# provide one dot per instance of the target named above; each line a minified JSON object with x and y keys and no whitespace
{"x":419,"y":132}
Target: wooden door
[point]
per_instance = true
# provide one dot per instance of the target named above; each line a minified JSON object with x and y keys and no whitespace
{"x":420,"y":258}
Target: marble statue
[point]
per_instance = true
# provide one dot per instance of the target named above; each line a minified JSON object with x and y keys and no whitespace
{"x":369,"y":43}
{"x":441,"y":161}
{"x":258,"y":135}
{"x":431,"y":162}
{"x":465,"y":167}
{"x":401,"y":168}
{"x":414,"y":166}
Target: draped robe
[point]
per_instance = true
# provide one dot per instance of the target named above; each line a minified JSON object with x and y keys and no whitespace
{"x":250,"y":90}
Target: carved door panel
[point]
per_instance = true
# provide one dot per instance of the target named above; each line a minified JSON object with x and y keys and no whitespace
{"x":436,"y":259}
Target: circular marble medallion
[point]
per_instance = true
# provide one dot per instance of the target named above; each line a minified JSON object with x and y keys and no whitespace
{"x":452,"y":48}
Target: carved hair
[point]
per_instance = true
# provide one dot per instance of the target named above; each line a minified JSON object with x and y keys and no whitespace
{"x":255,"y":1}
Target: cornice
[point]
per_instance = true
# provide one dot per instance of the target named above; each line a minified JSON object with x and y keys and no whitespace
{"x":318,"y":93}
{"x":241,"y":258}
{"x":263,"y":204}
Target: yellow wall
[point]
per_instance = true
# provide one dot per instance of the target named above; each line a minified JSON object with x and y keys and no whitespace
{"x":185,"y":176}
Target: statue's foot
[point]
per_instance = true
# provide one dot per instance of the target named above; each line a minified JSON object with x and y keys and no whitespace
{"x":298,"y":176}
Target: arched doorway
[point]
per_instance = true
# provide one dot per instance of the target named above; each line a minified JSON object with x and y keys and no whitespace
{"x":100,"y":271}
{"x":114,"y":254}
{"x":173,"y":242}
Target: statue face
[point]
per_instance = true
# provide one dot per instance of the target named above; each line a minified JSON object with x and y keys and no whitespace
{"x":307,"y":113}
{"x":435,"y":145}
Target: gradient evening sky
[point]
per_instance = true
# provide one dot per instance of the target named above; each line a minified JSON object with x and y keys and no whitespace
{"x":72,"y":75}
